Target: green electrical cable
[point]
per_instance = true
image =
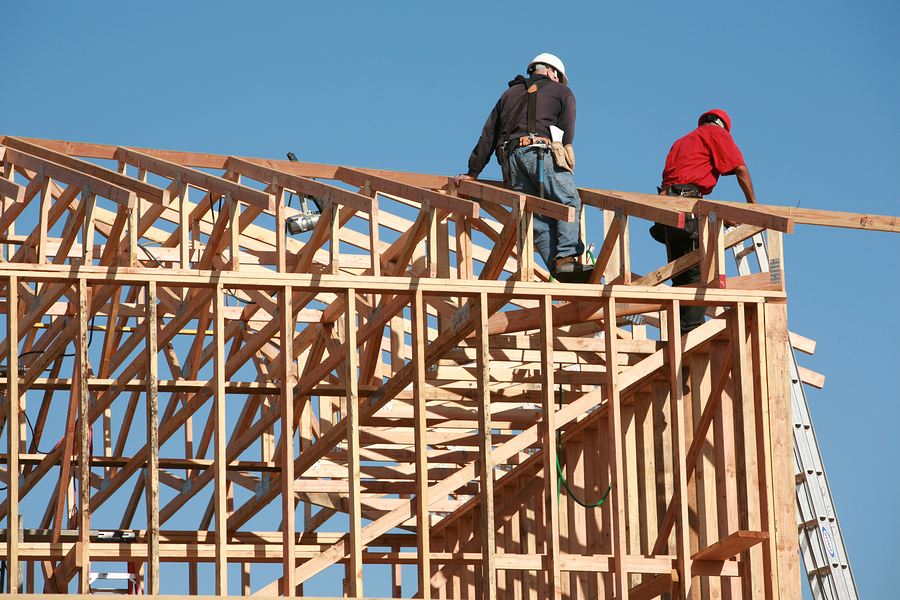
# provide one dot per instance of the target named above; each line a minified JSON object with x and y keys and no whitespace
{"x":562,"y":478}
{"x":571,"y":493}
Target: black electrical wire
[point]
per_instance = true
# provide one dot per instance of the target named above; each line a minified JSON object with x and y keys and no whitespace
{"x":150,"y":254}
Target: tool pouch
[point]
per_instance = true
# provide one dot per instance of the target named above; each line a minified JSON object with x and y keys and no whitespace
{"x":563,"y":156}
{"x":501,"y":156}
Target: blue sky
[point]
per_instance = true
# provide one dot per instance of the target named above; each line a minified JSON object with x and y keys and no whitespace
{"x":812,"y":89}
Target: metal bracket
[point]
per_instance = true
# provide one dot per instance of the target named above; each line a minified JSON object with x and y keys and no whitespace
{"x":262,"y":487}
{"x":775,"y":270}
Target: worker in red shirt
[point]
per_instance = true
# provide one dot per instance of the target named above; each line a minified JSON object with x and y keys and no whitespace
{"x":692,"y":170}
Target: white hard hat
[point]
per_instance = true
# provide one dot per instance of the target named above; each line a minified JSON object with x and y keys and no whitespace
{"x":551,"y":60}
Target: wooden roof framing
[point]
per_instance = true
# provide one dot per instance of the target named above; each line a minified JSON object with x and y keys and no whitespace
{"x":435,"y":377}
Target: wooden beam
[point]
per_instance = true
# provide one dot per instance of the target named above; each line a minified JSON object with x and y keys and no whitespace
{"x":141,"y":188}
{"x":548,"y":437}
{"x":301,"y":185}
{"x":218,"y":410}
{"x":211,"y":183}
{"x":731,"y":545}
{"x":485,"y":453}
{"x":466,"y":208}
{"x":489,"y":193}
{"x":13,"y":419}
{"x":285,"y":313}
{"x":423,"y":538}
{"x":355,"y":575}
{"x":152,"y":472}
{"x":72,"y":176}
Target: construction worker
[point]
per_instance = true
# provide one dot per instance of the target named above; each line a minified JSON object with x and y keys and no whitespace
{"x":692,"y":170}
{"x":518,"y":130}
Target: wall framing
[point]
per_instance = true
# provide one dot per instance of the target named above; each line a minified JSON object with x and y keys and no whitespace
{"x":439,"y":383}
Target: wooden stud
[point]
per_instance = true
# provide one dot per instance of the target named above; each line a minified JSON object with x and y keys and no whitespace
{"x":525,"y":242}
{"x":152,"y":473}
{"x":184,"y":223}
{"x":219,"y":455}
{"x":423,"y":537}
{"x":354,"y":565}
{"x":782,"y":448}
{"x":548,"y":437}
{"x":87,"y":237}
{"x":616,"y":462}
{"x":13,"y":434}
{"x":84,"y":464}
{"x":485,"y":451}
{"x":288,"y":525}
{"x":683,"y":550}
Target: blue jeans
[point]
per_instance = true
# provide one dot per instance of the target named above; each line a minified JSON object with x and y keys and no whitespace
{"x":552,"y":239}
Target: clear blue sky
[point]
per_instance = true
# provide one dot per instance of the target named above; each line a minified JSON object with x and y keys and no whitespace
{"x":812,"y":89}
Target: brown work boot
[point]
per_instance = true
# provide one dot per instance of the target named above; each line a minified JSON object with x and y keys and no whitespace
{"x":567,"y":270}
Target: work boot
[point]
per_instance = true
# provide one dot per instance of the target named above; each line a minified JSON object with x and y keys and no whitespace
{"x":567,"y":270}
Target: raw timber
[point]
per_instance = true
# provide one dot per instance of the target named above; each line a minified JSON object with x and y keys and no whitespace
{"x":457,"y":410}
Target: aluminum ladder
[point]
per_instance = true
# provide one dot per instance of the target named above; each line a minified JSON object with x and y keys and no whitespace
{"x":821,"y":543}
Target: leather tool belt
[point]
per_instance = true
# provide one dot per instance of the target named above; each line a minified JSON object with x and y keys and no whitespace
{"x":528,"y":141}
{"x":685,"y":190}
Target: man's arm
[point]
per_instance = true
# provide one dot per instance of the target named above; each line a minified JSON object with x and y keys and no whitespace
{"x":743,"y":177}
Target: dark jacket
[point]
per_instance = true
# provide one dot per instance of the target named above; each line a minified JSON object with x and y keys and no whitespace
{"x":555,"y":106}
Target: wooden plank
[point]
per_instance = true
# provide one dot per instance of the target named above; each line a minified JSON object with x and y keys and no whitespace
{"x":285,"y":308}
{"x":71,"y":176}
{"x":602,"y":264}
{"x":152,"y":472}
{"x":82,"y":366}
{"x":548,"y":437}
{"x":354,"y":565}
{"x":423,"y":537}
{"x":493,"y":266}
{"x":722,"y":359}
{"x":665,"y":209}
{"x":757,"y":215}
{"x":216,"y":185}
{"x":219,"y":449}
{"x":825,"y":218}
{"x":704,"y":468}
{"x":485,"y":452}
{"x":661,"y":209}
{"x":782,"y":452}
{"x":141,"y":188}
{"x":13,"y":419}
{"x":12,"y":190}
{"x":616,"y":453}
{"x":682,"y":544}
{"x":817,"y":380}
{"x":803,"y":344}
{"x":301,"y":185}
{"x":488,"y":193}
{"x":455,"y":205}
{"x":731,"y":545}
{"x":763,"y":442}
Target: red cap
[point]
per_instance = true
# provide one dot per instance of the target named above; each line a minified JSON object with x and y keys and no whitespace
{"x":719,"y":113}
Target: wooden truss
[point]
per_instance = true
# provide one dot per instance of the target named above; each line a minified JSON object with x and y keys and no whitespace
{"x":450,"y":408}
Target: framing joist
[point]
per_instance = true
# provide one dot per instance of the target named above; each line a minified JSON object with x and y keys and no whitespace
{"x":195,"y":377}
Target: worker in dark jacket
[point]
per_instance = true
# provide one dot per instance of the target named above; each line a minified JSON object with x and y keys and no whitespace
{"x":692,"y":170}
{"x":518,"y":130}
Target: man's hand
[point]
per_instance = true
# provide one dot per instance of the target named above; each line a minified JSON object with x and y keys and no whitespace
{"x":462,"y":177}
